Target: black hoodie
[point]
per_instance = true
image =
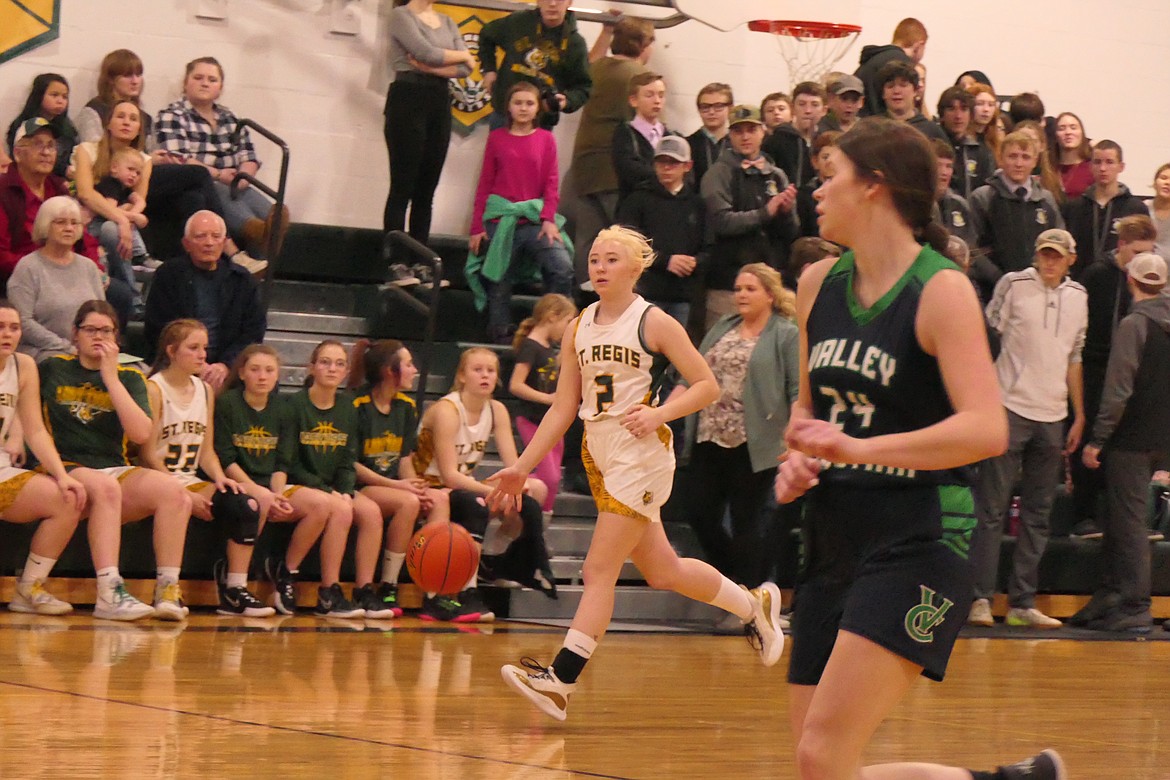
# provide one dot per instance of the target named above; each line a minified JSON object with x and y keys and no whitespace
{"x":675,"y":225}
{"x":791,"y":153}
{"x":1095,"y":227}
{"x":872,"y":60}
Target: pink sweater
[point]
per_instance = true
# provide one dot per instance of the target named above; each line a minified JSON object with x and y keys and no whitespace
{"x":518,"y":167}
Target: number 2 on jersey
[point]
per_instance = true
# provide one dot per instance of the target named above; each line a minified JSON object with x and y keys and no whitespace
{"x":857,"y":403}
{"x":604,"y":384}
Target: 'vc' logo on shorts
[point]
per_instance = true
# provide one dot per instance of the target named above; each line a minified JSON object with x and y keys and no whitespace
{"x":922,"y":619}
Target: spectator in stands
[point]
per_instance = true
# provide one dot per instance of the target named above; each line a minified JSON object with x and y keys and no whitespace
{"x":634,"y":141}
{"x":708,"y":142}
{"x":751,"y":211}
{"x":1159,"y":207}
{"x":954,"y":210}
{"x":516,"y":233}
{"x":972,"y":162}
{"x":452,"y":439}
{"x":1131,"y":435}
{"x":1048,"y":174}
{"x":247,"y":437}
{"x":181,"y":444}
{"x":49,"y":100}
{"x":535,"y":369}
{"x":49,"y":285}
{"x":318,"y":448}
{"x":985,"y":120}
{"x":1072,"y":155}
{"x":909,"y":44}
{"x":844,"y":97}
{"x":591,"y":175}
{"x":97,"y":409}
{"x":920,"y":92}
{"x":203,"y":132}
{"x":970,"y":78}
{"x":1026,"y":106}
{"x":1092,"y":218}
{"x":176,"y":190}
{"x":806,"y":206}
{"x":1040,"y":314}
{"x":775,"y":110}
{"x":223,"y":296}
{"x":899,"y":85}
{"x":670,"y":213}
{"x":808,"y":250}
{"x":540,"y":46}
{"x":735,"y":443}
{"x":426,"y":49}
{"x":789,"y":146}
{"x":1011,"y":211}
{"x":51,"y":498}
{"x":1109,"y":303}
{"x":388,"y":427}
{"x":28,"y":183}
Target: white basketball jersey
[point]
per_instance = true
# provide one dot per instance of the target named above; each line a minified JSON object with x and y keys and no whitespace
{"x":183,"y":428}
{"x":618,"y":371}
{"x":470,"y":440}
{"x":9,"y":387}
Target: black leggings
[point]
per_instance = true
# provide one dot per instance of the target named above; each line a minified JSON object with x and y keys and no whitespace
{"x":721,"y":479}
{"x":176,"y":192}
{"x":417,"y":131}
{"x":524,"y":557}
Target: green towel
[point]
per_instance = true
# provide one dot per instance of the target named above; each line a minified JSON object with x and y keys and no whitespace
{"x":496,"y":263}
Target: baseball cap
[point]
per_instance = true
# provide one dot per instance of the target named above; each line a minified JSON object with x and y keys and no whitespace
{"x":848,"y":83}
{"x":1147,"y":268}
{"x":744,"y":113}
{"x":1060,"y":240}
{"x":33,"y":126}
{"x":674,"y":147}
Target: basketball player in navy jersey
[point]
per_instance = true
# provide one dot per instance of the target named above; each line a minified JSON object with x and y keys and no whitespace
{"x":897,"y":396}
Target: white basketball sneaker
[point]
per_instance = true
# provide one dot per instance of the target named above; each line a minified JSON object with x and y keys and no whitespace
{"x":764,"y":631}
{"x":539,"y":684}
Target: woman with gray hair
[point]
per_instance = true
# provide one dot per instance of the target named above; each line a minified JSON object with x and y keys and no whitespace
{"x":48,"y":285}
{"x":733,"y":444}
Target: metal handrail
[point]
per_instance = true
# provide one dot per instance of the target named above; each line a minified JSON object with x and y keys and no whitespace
{"x":277,"y":227}
{"x":428,"y":256}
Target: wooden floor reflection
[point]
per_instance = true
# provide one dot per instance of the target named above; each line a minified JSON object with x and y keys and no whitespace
{"x":225,"y":697}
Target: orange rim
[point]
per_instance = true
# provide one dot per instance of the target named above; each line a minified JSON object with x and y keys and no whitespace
{"x":812,"y":30}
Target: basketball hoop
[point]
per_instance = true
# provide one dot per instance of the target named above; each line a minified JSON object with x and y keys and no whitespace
{"x":811,"y":49}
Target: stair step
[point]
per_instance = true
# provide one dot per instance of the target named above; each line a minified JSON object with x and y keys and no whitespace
{"x":631,"y":603}
{"x":295,"y":349}
{"x":317,"y":323}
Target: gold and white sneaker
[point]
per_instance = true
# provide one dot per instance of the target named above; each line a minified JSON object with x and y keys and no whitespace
{"x":539,"y":684}
{"x":168,"y":602}
{"x":32,"y":598}
{"x":764,"y":631}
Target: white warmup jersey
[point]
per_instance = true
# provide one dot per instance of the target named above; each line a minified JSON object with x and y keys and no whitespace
{"x":9,"y":387}
{"x":183,"y":428}
{"x":617,"y":370}
{"x":470,"y":440}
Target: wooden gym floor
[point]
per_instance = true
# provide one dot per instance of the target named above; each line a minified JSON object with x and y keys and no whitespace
{"x":301,"y":697}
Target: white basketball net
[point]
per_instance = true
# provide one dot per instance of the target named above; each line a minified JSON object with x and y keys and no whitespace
{"x":810,"y":51}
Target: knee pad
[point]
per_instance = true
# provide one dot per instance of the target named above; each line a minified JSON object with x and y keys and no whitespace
{"x":238,"y":516}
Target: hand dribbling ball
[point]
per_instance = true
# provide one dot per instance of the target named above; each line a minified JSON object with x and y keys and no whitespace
{"x":441,"y":558}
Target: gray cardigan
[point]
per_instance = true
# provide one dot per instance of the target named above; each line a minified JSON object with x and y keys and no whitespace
{"x":772,"y":383}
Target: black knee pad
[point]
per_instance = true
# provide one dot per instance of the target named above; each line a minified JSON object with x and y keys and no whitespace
{"x":238,"y":516}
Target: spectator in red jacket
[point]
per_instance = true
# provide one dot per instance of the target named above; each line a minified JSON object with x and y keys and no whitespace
{"x":28,"y":183}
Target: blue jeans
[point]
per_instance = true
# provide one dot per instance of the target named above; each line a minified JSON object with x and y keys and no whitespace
{"x":107,"y":235}
{"x":556,"y":270}
{"x":249,"y":205}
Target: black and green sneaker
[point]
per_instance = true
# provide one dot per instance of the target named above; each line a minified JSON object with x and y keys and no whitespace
{"x":447,"y":609}
{"x":332,"y":603}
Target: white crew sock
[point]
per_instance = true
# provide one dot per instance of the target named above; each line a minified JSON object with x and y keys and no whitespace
{"x":36,"y":568}
{"x":392,"y":566}
{"x":734,"y":599}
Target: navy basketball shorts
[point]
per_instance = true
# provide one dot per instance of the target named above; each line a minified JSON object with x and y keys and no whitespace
{"x":887,"y":564}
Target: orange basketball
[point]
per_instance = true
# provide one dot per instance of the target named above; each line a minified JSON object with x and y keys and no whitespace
{"x":442,"y":557}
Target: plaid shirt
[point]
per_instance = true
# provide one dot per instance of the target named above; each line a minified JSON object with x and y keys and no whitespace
{"x":182,"y":131}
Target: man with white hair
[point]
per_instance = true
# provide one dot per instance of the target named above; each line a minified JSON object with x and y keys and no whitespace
{"x":205,"y":286}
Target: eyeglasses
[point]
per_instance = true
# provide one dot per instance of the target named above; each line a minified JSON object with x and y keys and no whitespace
{"x":62,"y":222}
{"x":40,"y":146}
{"x":93,"y":331}
{"x":713,"y":106}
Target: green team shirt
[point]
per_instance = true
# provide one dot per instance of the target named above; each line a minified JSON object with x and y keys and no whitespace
{"x":386,"y":438}
{"x":318,"y":447}
{"x":248,"y":437}
{"x":80,"y":416}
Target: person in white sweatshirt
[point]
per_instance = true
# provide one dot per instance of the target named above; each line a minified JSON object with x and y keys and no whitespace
{"x":1041,"y":315}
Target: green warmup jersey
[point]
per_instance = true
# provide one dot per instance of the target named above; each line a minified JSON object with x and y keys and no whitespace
{"x":80,"y":416}
{"x":386,"y":438}
{"x":868,"y":374}
{"x":248,"y":437}
{"x":318,"y":447}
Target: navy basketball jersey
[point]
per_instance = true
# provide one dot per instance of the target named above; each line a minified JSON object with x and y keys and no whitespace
{"x":868,"y":374}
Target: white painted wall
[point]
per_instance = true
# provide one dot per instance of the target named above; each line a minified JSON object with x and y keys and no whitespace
{"x":286,"y":70}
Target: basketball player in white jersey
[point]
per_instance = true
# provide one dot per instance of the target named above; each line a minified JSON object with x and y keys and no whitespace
{"x":181,"y":443}
{"x":55,"y":498}
{"x":615,"y":351}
